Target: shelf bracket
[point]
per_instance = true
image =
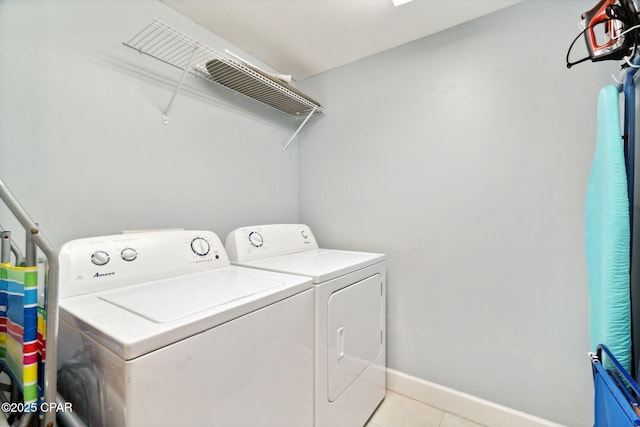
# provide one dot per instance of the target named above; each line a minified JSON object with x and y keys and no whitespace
{"x":165,"y":115}
{"x":298,"y":130}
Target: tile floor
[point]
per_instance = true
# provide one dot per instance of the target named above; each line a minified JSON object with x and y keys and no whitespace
{"x":400,"y":411}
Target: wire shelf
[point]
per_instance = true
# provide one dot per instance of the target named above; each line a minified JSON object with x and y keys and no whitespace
{"x":175,"y":48}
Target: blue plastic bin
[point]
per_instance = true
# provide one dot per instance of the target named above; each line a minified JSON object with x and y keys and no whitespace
{"x":616,"y":393}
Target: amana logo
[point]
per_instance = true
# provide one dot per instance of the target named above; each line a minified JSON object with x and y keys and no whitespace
{"x":104,"y":274}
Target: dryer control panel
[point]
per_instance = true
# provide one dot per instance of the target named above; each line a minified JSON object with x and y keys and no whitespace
{"x":263,"y":241}
{"x":109,"y":262}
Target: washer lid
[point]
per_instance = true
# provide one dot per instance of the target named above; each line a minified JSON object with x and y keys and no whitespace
{"x":165,"y":301}
{"x":135,"y":320}
{"x":320,"y":264}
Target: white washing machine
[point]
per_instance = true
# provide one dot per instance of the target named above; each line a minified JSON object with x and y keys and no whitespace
{"x":349,"y":315}
{"x":158,"y":329}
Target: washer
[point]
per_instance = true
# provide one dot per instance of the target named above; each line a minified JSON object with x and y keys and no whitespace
{"x":158,"y":329}
{"x":349,"y":315}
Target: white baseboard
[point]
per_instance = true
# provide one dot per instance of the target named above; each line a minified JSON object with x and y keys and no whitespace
{"x":461,"y":404}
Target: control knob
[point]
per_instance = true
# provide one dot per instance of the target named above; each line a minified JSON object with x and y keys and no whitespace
{"x":100,"y":258}
{"x":256,"y":239}
{"x":129,"y":254}
{"x":200,"y":246}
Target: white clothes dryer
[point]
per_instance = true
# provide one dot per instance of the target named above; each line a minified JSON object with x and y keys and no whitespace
{"x":349,"y":315}
{"x":158,"y":329}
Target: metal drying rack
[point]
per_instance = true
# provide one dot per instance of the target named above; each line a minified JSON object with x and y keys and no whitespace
{"x":175,"y":48}
{"x":36,"y":238}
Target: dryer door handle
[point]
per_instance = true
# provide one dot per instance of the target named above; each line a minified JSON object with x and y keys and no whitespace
{"x":340,"y":342}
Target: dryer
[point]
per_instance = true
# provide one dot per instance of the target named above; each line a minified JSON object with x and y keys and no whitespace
{"x":349,"y":315}
{"x":158,"y":329}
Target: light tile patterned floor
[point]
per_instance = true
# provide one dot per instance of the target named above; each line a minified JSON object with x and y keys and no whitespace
{"x":400,"y":411}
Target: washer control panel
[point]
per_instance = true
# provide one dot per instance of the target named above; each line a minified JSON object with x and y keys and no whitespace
{"x":263,"y":241}
{"x":109,"y":262}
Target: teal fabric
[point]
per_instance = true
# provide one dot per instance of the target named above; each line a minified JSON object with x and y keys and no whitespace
{"x":607,"y":236}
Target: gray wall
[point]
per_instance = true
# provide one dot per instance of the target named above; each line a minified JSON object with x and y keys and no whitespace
{"x":464,"y":156}
{"x":82,"y":142}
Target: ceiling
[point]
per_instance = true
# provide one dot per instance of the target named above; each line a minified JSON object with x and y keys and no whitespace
{"x":307,"y":37}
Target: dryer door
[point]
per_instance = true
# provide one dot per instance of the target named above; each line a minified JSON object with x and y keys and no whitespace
{"x":355,"y":332}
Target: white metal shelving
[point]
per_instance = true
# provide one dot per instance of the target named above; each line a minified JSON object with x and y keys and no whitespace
{"x":175,"y":48}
